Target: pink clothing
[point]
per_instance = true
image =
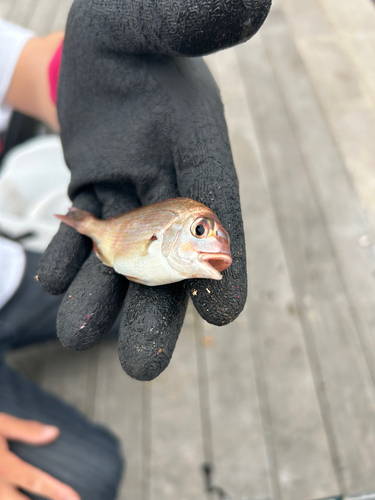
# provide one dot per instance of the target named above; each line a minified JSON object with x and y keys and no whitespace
{"x":54,"y":72}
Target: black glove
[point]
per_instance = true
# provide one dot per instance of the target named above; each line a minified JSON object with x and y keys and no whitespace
{"x":139,"y":126}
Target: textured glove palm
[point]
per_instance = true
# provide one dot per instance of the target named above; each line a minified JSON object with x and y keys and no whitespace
{"x":140,"y":125}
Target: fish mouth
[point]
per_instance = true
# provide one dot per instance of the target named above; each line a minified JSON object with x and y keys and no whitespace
{"x":217,"y":261}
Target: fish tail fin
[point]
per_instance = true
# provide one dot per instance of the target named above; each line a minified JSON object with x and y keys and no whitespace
{"x":80,"y":220}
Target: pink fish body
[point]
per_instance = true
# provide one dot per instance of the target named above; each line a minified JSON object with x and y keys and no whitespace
{"x":159,"y":244}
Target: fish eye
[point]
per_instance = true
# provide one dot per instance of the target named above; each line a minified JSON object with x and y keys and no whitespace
{"x":201,"y":228}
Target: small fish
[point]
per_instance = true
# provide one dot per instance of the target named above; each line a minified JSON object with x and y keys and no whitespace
{"x":159,"y":244}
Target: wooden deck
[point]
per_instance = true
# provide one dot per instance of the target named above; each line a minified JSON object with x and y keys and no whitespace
{"x":282,"y":401}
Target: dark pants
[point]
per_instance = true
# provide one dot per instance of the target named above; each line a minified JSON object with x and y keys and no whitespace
{"x":85,"y":456}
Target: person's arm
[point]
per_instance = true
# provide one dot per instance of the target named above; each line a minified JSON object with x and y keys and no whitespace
{"x":15,"y":473}
{"x":29,"y":89}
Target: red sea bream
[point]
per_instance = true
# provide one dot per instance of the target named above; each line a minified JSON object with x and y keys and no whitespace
{"x":162,"y":243}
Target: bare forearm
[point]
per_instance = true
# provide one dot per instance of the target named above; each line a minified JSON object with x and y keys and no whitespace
{"x":29,"y":90}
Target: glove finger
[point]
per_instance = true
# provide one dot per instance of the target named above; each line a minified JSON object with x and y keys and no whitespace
{"x":91,"y":305}
{"x":94,"y":299}
{"x":206,"y":173}
{"x":194,"y":28}
{"x":151,"y":322}
{"x":220,"y":302}
{"x":152,"y":317}
{"x":176,"y":27}
{"x":67,"y":251}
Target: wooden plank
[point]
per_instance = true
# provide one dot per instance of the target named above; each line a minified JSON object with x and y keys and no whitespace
{"x":29,"y":361}
{"x":241,"y":465}
{"x":350,"y":17}
{"x":354,"y":24}
{"x":350,"y":34}
{"x":349,"y":228}
{"x":338,"y":84}
{"x":348,"y":105}
{"x":118,"y":404}
{"x":21,"y":12}
{"x":40,"y":16}
{"x":5,"y":7}
{"x":146,"y":440}
{"x":361,"y":50}
{"x":306,"y":18}
{"x":346,"y":102}
{"x":298,"y":452}
{"x":204,"y":399}
{"x":355,"y":129}
{"x":68,"y":375}
{"x":43,"y":17}
{"x":61,"y":17}
{"x":176,"y":438}
{"x":342,"y":379}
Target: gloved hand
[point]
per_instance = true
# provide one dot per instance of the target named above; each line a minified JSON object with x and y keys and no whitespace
{"x":138,"y":126}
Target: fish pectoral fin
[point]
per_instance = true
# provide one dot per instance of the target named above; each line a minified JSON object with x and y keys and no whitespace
{"x":143,"y":250}
{"x":100,"y":255}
